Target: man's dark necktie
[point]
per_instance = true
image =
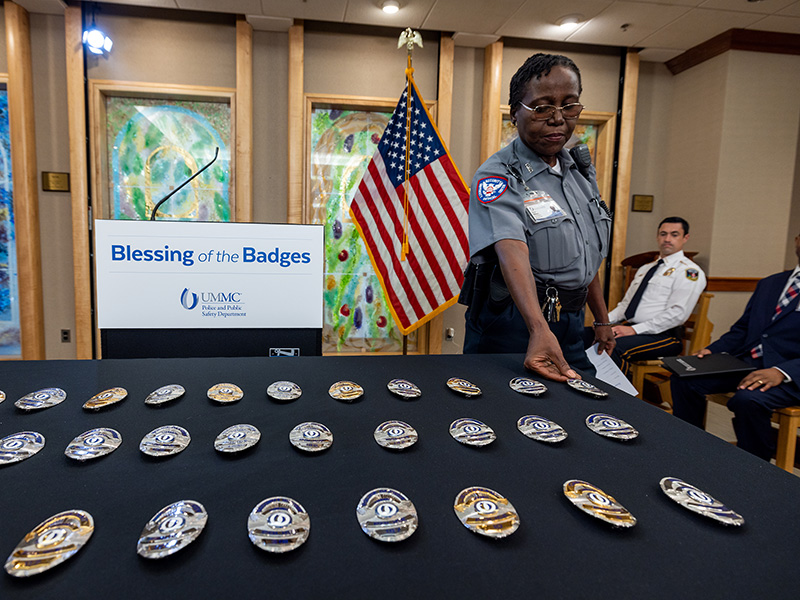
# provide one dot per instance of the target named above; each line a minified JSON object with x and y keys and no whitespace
{"x":637,"y":297}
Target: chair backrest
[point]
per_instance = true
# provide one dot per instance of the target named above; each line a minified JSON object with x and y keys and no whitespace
{"x":697,"y":329}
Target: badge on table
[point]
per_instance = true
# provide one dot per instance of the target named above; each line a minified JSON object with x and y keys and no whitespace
{"x":542,"y":207}
{"x":42,"y":399}
{"x":403,"y":388}
{"x":165,"y":394}
{"x":486,"y":512}
{"x":165,"y":441}
{"x":93,"y":444}
{"x":346,"y":391}
{"x":2,"y":396}
{"x":610,"y":427}
{"x":594,"y":501}
{"x":50,"y":543}
{"x":284,"y":391}
{"x":387,"y":515}
{"x":278,"y":524}
{"x":172,"y":529}
{"x":541,"y":429}
{"x":462,"y":386}
{"x":225,"y":393}
{"x":17,"y":447}
{"x":530,"y":387}
{"x":311,"y":437}
{"x":698,"y":501}
{"x":106,"y":398}
{"x":237,"y":438}
{"x":395,"y":435}
{"x":586,"y":388}
{"x":472,"y":432}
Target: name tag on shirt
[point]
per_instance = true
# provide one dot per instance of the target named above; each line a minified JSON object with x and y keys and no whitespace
{"x":542,"y":207}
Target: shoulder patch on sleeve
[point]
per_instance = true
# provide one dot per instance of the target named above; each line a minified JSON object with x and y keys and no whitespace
{"x":490,"y":189}
{"x":692,"y":274}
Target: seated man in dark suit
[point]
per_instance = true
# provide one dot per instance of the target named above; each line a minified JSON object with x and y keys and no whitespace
{"x":768,"y":337}
{"x":660,"y":298}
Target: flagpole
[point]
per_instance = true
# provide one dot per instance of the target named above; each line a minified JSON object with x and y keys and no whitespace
{"x":407,"y":38}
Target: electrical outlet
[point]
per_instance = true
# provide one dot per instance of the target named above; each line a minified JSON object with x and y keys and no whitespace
{"x":65,"y":336}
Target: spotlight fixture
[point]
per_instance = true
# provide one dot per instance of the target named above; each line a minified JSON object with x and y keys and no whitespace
{"x":569,"y":21}
{"x":96,"y":41}
{"x":390,"y":7}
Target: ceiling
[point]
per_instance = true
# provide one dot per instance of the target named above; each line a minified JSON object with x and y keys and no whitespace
{"x":663,"y":28}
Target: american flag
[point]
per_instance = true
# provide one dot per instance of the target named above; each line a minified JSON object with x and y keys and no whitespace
{"x":424,"y":278}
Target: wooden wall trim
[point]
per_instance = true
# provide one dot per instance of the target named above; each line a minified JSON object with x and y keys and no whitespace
{"x":736,"y":39}
{"x":491,"y":119}
{"x":26,"y":187}
{"x":732,"y":284}
{"x":297,"y":168}
{"x":79,"y":182}
{"x":244,"y":122}
{"x":624,"y":167}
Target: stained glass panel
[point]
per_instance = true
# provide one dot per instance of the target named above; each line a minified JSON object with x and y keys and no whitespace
{"x":10,"y":344}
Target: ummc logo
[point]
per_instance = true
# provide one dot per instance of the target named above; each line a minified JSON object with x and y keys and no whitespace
{"x":188,"y":299}
{"x":230,"y":297}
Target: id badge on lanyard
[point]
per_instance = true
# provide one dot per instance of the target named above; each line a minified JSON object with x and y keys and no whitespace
{"x":541,"y":206}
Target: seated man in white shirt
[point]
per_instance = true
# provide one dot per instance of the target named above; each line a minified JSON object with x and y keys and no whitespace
{"x":658,"y":302}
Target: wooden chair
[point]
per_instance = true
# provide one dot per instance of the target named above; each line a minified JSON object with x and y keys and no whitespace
{"x":696,"y":336}
{"x":788,"y":420}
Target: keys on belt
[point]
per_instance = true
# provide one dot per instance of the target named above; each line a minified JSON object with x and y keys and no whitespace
{"x":552,"y":305}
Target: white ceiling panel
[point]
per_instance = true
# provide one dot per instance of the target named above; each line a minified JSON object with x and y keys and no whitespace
{"x":537,"y":18}
{"x":697,"y":26}
{"x":318,"y":10}
{"x":412,"y":13}
{"x":260,"y":23}
{"x":152,"y":3}
{"x":45,"y":7}
{"x":765,"y":7}
{"x":242,"y":7}
{"x":643,"y":19}
{"x":778,"y":23}
{"x":474,"y":16}
{"x":791,"y":11}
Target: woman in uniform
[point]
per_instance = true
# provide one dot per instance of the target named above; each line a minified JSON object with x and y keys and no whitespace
{"x":538,"y":232}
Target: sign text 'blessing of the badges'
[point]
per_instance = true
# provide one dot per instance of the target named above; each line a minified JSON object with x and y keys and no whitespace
{"x":161,"y":274}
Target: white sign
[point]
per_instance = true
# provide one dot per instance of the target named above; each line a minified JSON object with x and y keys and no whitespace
{"x":186,"y":275}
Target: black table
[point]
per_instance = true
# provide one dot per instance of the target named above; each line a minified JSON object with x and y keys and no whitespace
{"x":558,"y":550}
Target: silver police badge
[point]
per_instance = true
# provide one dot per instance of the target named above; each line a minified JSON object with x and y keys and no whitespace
{"x":698,"y":501}
{"x":284,"y":391}
{"x":225,"y":393}
{"x":596,"y":502}
{"x":387,"y":515}
{"x":106,"y":398}
{"x":541,"y":429}
{"x":50,"y":543}
{"x":346,"y":391}
{"x":531,"y":387}
{"x":586,"y":388}
{"x":611,"y":427}
{"x":462,"y":386}
{"x":278,"y":524}
{"x":395,"y":435}
{"x":42,"y":399}
{"x":472,"y":432}
{"x":404,"y":388}
{"x":19,"y":446}
{"x":94,"y":443}
{"x":2,"y":396}
{"x":486,"y":512}
{"x":237,"y":438}
{"x":172,"y":528}
{"x":311,"y":437}
{"x":165,"y":394}
{"x":165,"y":441}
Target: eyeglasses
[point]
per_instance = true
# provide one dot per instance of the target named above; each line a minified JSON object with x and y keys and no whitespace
{"x":542,"y":112}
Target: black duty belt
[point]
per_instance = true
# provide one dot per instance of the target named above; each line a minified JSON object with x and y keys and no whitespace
{"x":571,"y":300}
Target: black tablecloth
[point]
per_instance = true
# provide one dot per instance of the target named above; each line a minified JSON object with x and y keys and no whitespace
{"x":558,"y":550}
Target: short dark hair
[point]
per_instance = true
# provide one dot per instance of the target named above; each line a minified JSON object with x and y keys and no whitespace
{"x":537,"y":66}
{"x":684,"y":223}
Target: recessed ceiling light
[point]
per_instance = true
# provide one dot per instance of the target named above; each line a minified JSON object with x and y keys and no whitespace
{"x":390,"y":7}
{"x":570,"y":21}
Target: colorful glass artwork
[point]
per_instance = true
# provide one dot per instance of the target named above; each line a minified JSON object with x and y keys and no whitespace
{"x":10,"y":344}
{"x":357,"y":317}
{"x":155,"y":145}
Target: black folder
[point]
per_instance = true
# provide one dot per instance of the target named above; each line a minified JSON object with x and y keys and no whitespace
{"x":713,"y":364}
